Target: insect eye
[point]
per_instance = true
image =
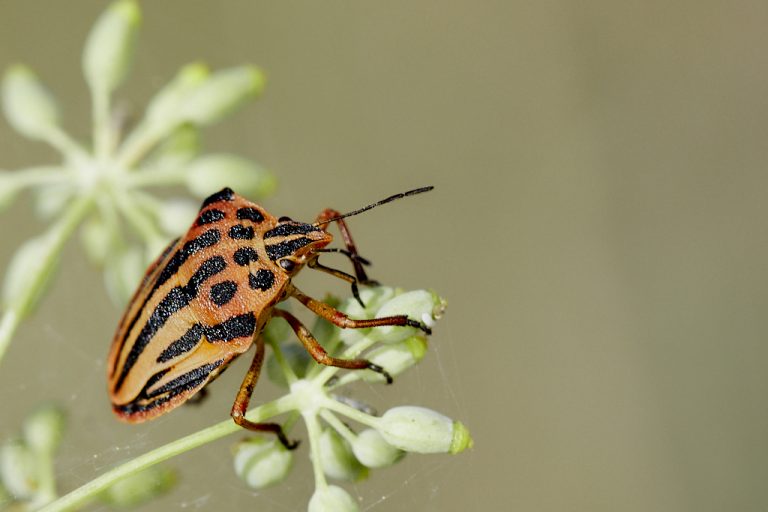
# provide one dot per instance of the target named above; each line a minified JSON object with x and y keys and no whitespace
{"x":288,"y":265}
{"x":284,"y":219}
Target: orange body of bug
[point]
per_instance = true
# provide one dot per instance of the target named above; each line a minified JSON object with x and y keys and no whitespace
{"x":206,"y":299}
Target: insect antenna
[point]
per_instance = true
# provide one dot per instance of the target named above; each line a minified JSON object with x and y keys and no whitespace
{"x":377,"y":203}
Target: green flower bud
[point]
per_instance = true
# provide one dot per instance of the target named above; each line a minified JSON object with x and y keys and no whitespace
{"x":139,"y":488}
{"x":19,"y":470}
{"x":27,"y":263}
{"x":163,"y":110}
{"x":419,"y":305}
{"x":337,"y":458}
{"x":332,"y":499}
{"x":97,"y":239}
{"x":261,"y":463}
{"x":29,"y":106}
{"x":123,"y":272}
{"x":297,"y":358}
{"x":109,"y":48}
{"x":395,"y":358}
{"x":211,"y":173}
{"x":222,"y":93}
{"x":44,"y":428}
{"x":422,"y":430}
{"x":372,"y":450}
{"x":175,"y":215}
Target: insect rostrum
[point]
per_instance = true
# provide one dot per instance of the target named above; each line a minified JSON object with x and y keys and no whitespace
{"x":206,"y":299}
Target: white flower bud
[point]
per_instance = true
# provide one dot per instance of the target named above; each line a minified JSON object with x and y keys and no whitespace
{"x":395,"y":358}
{"x":175,"y":215}
{"x":139,"y":488}
{"x":19,"y":470}
{"x":332,"y":498}
{"x":164,"y":108}
{"x":373,"y":298}
{"x":109,"y":48}
{"x":222,"y":93}
{"x":337,"y":458}
{"x":419,"y":305}
{"x":123,"y":272}
{"x":373,"y":451}
{"x":211,"y":173}
{"x":297,"y":358}
{"x":44,"y":428}
{"x":27,"y":263}
{"x":97,"y":239}
{"x":261,"y":463}
{"x":422,"y":430}
{"x":29,"y":106}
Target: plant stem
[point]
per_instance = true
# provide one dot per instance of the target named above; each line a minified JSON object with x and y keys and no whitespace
{"x":59,"y":233}
{"x":90,"y":490}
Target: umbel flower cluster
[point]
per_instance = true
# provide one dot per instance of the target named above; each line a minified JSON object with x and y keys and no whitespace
{"x":100,"y":189}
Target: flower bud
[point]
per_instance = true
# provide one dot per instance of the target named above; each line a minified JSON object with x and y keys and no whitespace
{"x":26,"y":265}
{"x":332,"y":498}
{"x":395,"y":358}
{"x":122,"y":273}
{"x":296,"y":357}
{"x":419,"y":305}
{"x":338,"y":461}
{"x":139,"y":488}
{"x":261,"y":463}
{"x":19,"y":469}
{"x":109,"y":48}
{"x":422,"y":430}
{"x":373,"y":451}
{"x":29,"y":106}
{"x":222,"y":93}
{"x":176,"y":214}
{"x":44,"y":428}
{"x":163,"y":109}
{"x":213,"y":172}
{"x":373,"y":298}
{"x":97,"y":239}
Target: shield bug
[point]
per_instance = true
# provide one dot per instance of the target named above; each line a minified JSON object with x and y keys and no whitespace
{"x":208,"y":296}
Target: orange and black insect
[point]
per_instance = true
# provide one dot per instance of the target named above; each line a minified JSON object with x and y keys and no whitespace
{"x":206,"y":299}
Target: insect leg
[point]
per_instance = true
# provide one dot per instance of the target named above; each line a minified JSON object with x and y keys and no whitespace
{"x":319,"y":354}
{"x":357,"y":262}
{"x":336,"y":317}
{"x":244,"y":397}
{"x":313,"y":263}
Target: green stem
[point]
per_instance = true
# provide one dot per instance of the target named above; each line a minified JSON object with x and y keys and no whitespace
{"x":90,"y":490}
{"x":352,"y":413}
{"x":59,"y":234}
{"x":313,"y":433}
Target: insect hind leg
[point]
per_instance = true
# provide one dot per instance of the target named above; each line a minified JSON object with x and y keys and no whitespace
{"x":240,"y":406}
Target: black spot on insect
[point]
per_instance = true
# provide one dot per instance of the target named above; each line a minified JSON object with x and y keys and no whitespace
{"x":224,"y":194}
{"x":187,"y":342}
{"x":284,"y":218}
{"x":288,"y":265}
{"x":222,"y":292}
{"x":235,"y":327}
{"x":240,"y":232}
{"x":262,"y":280}
{"x":251,"y":214}
{"x":210,"y":216}
{"x":291,"y":229}
{"x":245,"y":255}
{"x":277,"y":251}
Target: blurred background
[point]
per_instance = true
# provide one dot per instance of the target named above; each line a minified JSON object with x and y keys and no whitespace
{"x":596,"y":226}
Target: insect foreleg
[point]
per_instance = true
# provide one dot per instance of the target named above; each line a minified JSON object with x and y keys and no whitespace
{"x":319,"y":354}
{"x":357,"y":262}
{"x":313,"y":263}
{"x":244,"y":397}
{"x":336,"y":317}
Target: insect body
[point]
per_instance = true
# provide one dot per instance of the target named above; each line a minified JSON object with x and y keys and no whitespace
{"x":206,"y":299}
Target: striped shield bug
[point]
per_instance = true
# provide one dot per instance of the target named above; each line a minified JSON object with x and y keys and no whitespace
{"x":208,"y":296}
